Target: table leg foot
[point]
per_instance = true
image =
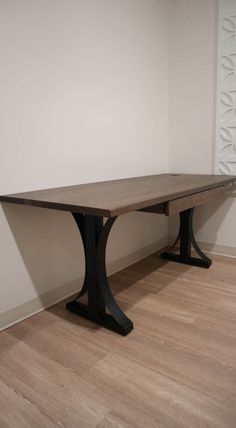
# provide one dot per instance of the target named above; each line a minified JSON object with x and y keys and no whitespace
{"x":192,"y":261}
{"x":105,"y":320}
{"x":187,"y":240}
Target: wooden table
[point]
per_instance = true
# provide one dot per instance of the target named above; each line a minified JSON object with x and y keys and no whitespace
{"x":166,"y":194}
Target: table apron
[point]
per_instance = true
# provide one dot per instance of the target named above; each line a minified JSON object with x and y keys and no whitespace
{"x":177,"y":205}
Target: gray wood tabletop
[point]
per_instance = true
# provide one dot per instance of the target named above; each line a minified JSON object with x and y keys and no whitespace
{"x":112,"y":198}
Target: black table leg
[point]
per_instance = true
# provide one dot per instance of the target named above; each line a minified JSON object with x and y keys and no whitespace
{"x":100,"y":299}
{"x":187,"y":240}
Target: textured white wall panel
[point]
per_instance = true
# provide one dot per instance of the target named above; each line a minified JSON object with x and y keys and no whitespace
{"x":226,"y":89}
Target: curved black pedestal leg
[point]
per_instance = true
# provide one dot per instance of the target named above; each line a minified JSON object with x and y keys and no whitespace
{"x":123,"y":322}
{"x":79,"y":219}
{"x":187,"y":240}
{"x":195,"y":245}
{"x":100,"y":299}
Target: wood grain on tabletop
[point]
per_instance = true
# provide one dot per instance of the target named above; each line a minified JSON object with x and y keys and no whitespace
{"x":111,"y":198}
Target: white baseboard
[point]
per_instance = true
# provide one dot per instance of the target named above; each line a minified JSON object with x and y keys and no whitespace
{"x":223,"y":250}
{"x":40,"y":303}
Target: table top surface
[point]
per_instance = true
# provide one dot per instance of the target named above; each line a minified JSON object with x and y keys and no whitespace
{"x":112,"y":198}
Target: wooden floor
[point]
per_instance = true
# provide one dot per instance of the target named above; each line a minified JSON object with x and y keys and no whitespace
{"x":176,"y":369}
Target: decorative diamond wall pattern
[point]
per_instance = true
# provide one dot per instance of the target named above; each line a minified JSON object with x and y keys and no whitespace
{"x":226,"y":89}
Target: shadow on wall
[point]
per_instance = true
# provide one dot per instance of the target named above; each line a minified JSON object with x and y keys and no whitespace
{"x":217,"y":209}
{"x":50,"y":250}
{"x":50,"y":246}
{"x":207,"y":219}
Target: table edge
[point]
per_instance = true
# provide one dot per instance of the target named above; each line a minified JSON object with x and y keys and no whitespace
{"x":106,"y":212}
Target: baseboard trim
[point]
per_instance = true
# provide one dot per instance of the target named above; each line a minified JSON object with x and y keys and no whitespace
{"x":222,"y":250}
{"x":34,"y":306}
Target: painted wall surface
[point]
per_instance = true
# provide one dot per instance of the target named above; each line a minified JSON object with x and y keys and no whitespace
{"x":96,"y":91}
{"x":193,"y":70}
{"x":84,"y":97}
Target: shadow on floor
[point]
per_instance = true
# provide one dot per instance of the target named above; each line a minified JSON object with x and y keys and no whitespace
{"x":128,"y":286}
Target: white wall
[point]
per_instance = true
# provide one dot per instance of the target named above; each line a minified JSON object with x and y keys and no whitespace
{"x":84,"y":97}
{"x":193,"y":59}
{"x":96,"y":90}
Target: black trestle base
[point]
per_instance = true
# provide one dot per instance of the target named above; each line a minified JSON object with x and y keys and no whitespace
{"x":102,"y":307}
{"x":187,"y":241}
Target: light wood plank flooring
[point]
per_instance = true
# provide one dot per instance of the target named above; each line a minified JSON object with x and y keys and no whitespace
{"x":177,"y":369}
